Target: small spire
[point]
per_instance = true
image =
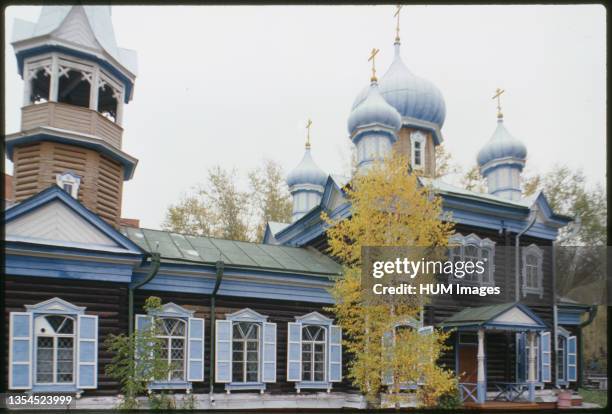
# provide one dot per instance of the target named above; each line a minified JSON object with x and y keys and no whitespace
{"x":498,"y":93}
{"x":372,"y":57}
{"x":397,"y":26}
{"x":308,"y":125}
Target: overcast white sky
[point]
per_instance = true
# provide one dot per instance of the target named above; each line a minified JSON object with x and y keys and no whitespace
{"x":234,"y":85}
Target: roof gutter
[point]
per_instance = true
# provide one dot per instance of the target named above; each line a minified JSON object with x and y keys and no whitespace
{"x":155,"y":264}
{"x":220,"y":265}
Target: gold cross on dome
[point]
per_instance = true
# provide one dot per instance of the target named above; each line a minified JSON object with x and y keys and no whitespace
{"x":397,"y":27}
{"x":498,"y":93}
{"x":308,"y":125}
{"x":372,"y":57}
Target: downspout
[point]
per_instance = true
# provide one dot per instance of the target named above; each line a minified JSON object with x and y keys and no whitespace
{"x":592,"y":315}
{"x":155,"y":263}
{"x":213,"y":297}
{"x":577,"y":224}
{"x":516,"y":254}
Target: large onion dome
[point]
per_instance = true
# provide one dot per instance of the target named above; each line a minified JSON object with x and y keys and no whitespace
{"x":374,"y":110}
{"x":411,"y":95}
{"x":502,"y":145}
{"x":307,"y":172}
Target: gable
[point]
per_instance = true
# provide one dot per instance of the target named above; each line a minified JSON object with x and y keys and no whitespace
{"x":56,"y":222}
{"x":54,"y":218}
{"x":76,"y":29}
{"x":515,"y":316}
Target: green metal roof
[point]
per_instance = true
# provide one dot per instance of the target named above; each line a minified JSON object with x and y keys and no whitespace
{"x":476,"y":316}
{"x":180,"y":248}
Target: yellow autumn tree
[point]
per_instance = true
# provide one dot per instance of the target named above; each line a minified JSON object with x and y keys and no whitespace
{"x":389,"y":208}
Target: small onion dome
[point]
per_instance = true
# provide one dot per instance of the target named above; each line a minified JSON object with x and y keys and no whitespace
{"x":502,"y":145}
{"x":374,"y":110}
{"x":412,"y":96}
{"x":307,"y":172}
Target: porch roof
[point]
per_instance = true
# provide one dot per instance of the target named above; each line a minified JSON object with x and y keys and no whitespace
{"x":506,"y":316}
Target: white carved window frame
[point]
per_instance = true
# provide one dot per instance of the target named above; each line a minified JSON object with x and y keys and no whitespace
{"x":457,"y":240}
{"x":528,"y":252}
{"x":421,"y":138}
{"x":69,"y":179}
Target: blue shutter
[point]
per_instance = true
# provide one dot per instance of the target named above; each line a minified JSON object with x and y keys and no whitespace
{"x":223,"y":351}
{"x":294,"y":351}
{"x":143,"y":322}
{"x":20,"y":351}
{"x":195,"y":367}
{"x":387,"y":345}
{"x":572,"y":371}
{"x":335,"y":353}
{"x":545,"y":356}
{"x":87,"y":352}
{"x":269,"y":352}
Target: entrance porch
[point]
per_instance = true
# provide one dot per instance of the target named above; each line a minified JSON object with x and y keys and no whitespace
{"x":473,"y":326}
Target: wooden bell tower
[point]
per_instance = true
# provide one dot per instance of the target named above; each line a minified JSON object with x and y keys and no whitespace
{"x":76,"y":83}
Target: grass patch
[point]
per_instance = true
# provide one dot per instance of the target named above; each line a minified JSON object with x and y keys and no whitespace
{"x":598,"y":397}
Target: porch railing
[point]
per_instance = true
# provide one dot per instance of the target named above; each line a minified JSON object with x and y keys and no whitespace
{"x":510,"y":391}
{"x":467,"y":391}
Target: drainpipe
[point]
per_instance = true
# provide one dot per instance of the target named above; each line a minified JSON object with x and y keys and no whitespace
{"x":155,"y":263}
{"x":577,"y":224}
{"x":592,"y":314}
{"x":516,"y":254}
{"x":213,"y":297}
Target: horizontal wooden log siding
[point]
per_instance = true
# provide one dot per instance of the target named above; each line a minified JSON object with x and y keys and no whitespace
{"x":107,"y":300}
{"x":280,"y":312}
{"x":37,"y":166}
{"x":71,"y":118}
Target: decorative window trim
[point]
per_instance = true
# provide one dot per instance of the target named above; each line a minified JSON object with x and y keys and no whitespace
{"x":22,"y":342}
{"x":460,"y":241}
{"x":266,"y":348}
{"x":194,"y":346}
{"x":530,"y":250}
{"x":421,"y":138}
{"x":310,"y":319}
{"x":69,"y":179}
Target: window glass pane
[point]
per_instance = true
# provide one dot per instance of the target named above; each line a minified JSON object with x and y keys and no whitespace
{"x":44,"y":359}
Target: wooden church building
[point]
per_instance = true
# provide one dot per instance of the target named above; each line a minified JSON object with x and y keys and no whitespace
{"x":246,"y":319}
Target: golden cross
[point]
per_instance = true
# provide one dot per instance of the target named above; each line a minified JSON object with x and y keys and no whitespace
{"x":397,"y":14}
{"x":372,"y":58}
{"x":308,"y":125}
{"x":497,"y":95}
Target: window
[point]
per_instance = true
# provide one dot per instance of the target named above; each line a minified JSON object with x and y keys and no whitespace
{"x":40,"y":85}
{"x":245,"y":352}
{"x":182,"y":338}
{"x":418,"y":140}
{"x":473,"y":249}
{"x":54,"y":349}
{"x":173,"y":336}
{"x":532,"y":270}
{"x":523,"y":349}
{"x":561,"y":358}
{"x":43,"y":348}
{"x":313,"y":353}
{"x":69,"y":182}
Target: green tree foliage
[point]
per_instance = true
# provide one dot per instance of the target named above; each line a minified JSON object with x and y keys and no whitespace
{"x":137,"y":359}
{"x":269,"y":196}
{"x":220,"y":208}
